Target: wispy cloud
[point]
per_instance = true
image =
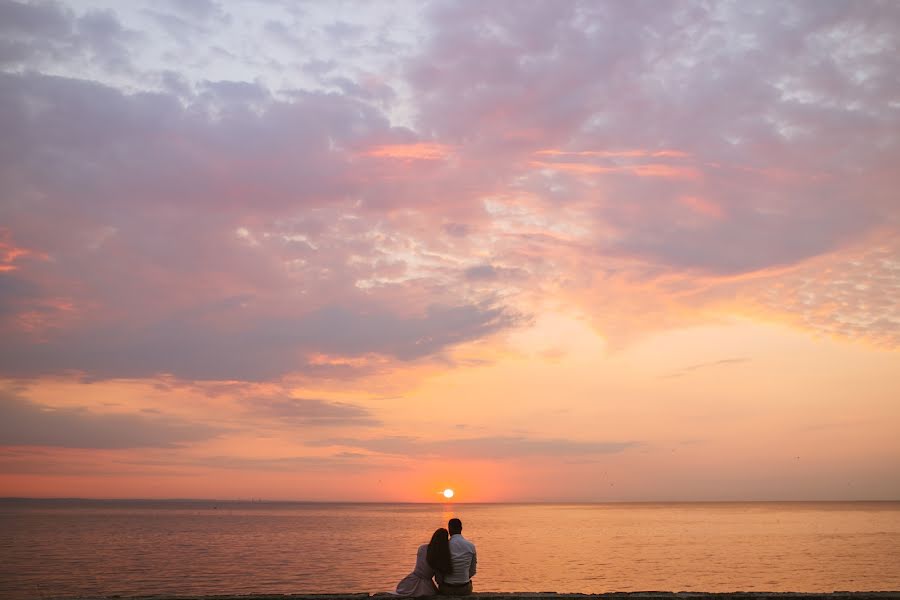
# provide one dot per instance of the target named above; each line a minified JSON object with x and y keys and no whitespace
{"x":639,"y":170}
{"x":312,"y":412}
{"x":481,"y":448}
{"x":24,"y":423}
{"x":705,"y":365}
{"x":348,"y":462}
{"x":415,"y":151}
{"x":616,"y":153}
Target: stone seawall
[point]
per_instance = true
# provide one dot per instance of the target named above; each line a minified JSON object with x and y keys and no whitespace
{"x":892,"y":595}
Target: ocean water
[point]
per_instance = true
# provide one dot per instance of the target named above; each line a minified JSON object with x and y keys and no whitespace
{"x":58,"y":549}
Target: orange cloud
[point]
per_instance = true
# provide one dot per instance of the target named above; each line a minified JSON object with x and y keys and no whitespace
{"x":10,"y":253}
{"x":52,"y":313}
{"x":633,"y":168}
{"x":328,"y":360}
{"x":647,"y":170}
{"x":701,"y":206}
{"x":775,"y":173}
{"x":660,"y":170}
{"x":417,"y":151}
{"x":618,"y":154}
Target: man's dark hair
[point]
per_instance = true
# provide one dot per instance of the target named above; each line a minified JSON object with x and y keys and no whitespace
{"x":455,"y":526}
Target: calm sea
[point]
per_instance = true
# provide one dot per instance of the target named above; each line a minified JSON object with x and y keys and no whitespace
{"x":72,"y":548}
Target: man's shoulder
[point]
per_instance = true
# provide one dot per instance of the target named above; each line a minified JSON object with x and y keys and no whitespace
{"x":460,"y":540}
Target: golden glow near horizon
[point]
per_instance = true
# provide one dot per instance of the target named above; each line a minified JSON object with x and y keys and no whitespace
{"x":448,"y":493}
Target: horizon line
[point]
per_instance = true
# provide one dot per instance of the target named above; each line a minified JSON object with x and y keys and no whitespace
{"x":275,"y":501}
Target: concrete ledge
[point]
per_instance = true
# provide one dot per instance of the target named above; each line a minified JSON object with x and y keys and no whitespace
{"x":886,"y":595}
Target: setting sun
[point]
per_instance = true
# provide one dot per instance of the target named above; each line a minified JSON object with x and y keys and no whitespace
{"x":448,"y":493}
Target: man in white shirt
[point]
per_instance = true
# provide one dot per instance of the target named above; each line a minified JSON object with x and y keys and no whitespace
{"x":462,"y":555}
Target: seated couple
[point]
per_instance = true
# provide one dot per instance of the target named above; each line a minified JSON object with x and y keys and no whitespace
{"x":450,"y":561}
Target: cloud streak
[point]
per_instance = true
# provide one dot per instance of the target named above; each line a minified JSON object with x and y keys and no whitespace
{"x":481,"y":448}
{"x":706,"y":365}
{"x":312,"y":412}
{"x":28,"y":424}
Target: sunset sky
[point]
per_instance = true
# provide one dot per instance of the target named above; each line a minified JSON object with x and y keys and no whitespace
{"x":596,"y":251}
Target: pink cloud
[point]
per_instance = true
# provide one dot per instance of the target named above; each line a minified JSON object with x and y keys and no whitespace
{"x":640,"y":170}
{"x":701,"y":206}
{"x":617,"y":153}
{"x":538,"y":146}
{"x":415,"y":151}
{"x":11,"y":254}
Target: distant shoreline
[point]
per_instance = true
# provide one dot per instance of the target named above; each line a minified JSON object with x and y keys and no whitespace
{"x":885,"y":595}
{"x":10,"y":499}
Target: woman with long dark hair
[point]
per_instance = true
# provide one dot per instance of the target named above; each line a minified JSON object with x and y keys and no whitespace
{"x":438,"y":554}
{"x":432,"y":560}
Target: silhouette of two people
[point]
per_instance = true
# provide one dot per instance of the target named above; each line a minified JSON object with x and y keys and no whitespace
{"x":449,"y":558}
